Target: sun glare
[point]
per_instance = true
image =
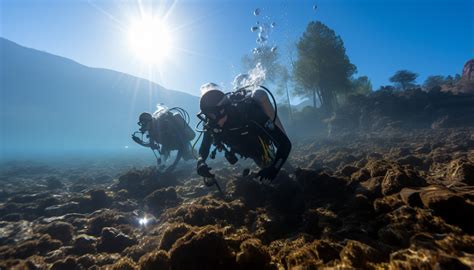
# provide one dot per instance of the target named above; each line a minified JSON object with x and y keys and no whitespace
{"x":150,"y":40}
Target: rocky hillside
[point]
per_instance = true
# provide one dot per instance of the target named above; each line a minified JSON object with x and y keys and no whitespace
{"x":50,"y":103}
{"x":398,"y":200}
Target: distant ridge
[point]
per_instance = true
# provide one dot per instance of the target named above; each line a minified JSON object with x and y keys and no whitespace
{"x":52,"y":103}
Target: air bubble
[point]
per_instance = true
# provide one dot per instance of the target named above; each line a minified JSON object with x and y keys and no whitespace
{"x":256,"y":12}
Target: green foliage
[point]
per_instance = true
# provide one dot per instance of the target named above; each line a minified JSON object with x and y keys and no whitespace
{"x":322,"y":67}
{"x":362,"y":86}
{"x":404,"y":79}
{"x":434,"y":81}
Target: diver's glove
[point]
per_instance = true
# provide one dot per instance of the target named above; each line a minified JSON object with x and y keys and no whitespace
{"x":204,"y":170}
{"x":268,"y":173}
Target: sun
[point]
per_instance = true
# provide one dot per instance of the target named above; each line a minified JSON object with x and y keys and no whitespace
{"x":150,"y":40}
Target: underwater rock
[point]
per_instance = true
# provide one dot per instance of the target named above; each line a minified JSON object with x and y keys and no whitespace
{"x":112,"y":240}
{"x":155,"y":260}
{"x":424,"y":259}
{"x":173,"y":232}
{"x":160,"y":199}
{"x":59,"y":230}
{"x":206,"y":210}
{"x":451,"y":207}
{"x":251,"y":192}
{"x":253,"y":255}
{"x":84,"y":244}
{"x":206,"y":248}
{"x":461,"y":171}
{"x":62,"y":209}
{"x":54,"y":183}
{"x":124,"y":263}
{"x":396,"y":179}
{"x":359,"y":255}
{"x":40,"y":245}
{"x":108,"y":218}
{"x":87,"y":261}
{"x":66,"y":264}
{"x":140,"y":183}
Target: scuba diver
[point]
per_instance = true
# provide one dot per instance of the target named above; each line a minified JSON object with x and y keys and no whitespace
{"x":242,"y":123}
{"x":166,"y":130}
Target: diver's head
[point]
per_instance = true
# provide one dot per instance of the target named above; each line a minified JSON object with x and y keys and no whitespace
{"x":212,"y":102}
{"x":144,"y":121}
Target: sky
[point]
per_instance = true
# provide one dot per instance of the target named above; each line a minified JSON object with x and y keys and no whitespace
{"x":209,"y":37}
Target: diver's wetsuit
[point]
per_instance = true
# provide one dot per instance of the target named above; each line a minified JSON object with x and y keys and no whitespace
{"x":170,"y":137}
{"x":245,"y":126}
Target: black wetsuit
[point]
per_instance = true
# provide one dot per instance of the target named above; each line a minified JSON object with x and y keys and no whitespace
{"x":245,"y":126}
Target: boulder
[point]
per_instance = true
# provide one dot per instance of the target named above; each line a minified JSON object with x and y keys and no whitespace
{"x":396,"y":179}
{"x":60,"y":230}
{"x":112,"y":240}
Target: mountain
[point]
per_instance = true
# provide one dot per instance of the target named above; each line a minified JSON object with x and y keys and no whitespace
{"x":51,"y":103}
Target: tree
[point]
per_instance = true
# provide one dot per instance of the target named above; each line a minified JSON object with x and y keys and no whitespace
{"x":362,"y":85}
{"x":322,"y":68}
{"x":433,"y":81}
{"x":404,"y":79}
{"x":282,"y":87}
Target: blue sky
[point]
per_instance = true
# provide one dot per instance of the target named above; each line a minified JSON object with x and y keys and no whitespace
{"x":428,"y":37}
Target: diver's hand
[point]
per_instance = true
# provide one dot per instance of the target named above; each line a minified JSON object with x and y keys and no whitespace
{"x":204,"y":170}
{"x":155,"y":146}
{"x":268,"y":173}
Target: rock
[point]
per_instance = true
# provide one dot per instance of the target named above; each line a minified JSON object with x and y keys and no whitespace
{"x":387,"y":204}
{"x":84,"y":244}
{"x":253,"y":255}
{"x":69,"y":263}
{"x":62,"y":209}
{"x":424,"y":259}
{"x":349,"y":170}
{"x":248,"y":190}
{"x":207,"y":210}
{"x":359,"y":255}
{"x":123,"y":264}
{"x":403,"y":151}
{"x":139,"y":183}
{"x":155,"y":260}
{"x":451,"y":207}
{"x":319,"y":185}
{"x":360,"y":175}
{"x":301,"y":258}
{"x":396,"y":179}
{"x":60,"y":230}
{"x":40,"y":245}
{"x":461,"y":171}
{"x":326,"y":251}
{"x":372,"y":188}
{"x":425,"y":149}
{"x":411,"y":197}
{"x":107,"y":218}
{"x":172,"y":233}
{"x":54,"y":183}
{"x":99,"y":198}
{"x":161,"y":199}
{"x":86,"y":261}
{"x":411,"y":160}
{"x":206,"y":248}
{"x":112,"y":240}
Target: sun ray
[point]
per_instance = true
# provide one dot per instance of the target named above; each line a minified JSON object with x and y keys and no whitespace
{"x":120,"y":27}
